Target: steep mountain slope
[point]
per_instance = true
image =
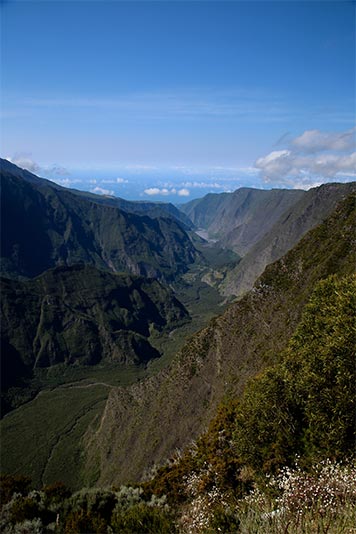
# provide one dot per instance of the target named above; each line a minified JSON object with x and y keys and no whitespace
{"x":151,"y":209}
{"x":79,"y":315}
{"x":43,"y":226}
{"x":146,"y":423}
{"x":238,"y":220}
{"x":314,"y":206}
{"x":293,"y":429}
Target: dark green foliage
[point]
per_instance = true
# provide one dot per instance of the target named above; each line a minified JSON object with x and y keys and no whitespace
{"x":170,"y":479}
{"x":216,"y":449}
{"x":55,"y":494}
{"x":266,"y":436}
{"x":320,"y":369}
{"x":80,"y":315}
{"x":10,"y":484}
{"x":96,"y":502}
{"x":24,"y":508}
{"x":224,"y":520}
{"x":89,"y":511}
{"x":142,"y":519}
{"x":306,"y":404}
{"x":84,"y":522}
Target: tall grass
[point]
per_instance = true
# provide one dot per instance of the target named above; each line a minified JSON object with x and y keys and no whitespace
{"x":295,"y":501}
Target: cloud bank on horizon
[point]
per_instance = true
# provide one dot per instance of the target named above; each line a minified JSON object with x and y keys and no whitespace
{"x":308,"y":160}
{"x":312,"y":158}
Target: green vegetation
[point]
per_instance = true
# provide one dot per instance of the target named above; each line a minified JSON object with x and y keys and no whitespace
{"x":240,"y":476}
{"x":164,"y":413}
{"x":306,"y":404}
{"x":51,"y":428}
{"x":69,"y":228}
{"x":266,"y":389}
{"x":79,"y":316}
{"x":294,"y":502}
{"x":89,"y":511}
{"x":85,"y":389}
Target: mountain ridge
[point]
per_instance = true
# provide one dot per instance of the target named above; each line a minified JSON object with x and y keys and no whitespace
{"x":139,"y":207}
{"x":313,"y":207}
{"x":240,"y":219}
{"x":68,"y":229}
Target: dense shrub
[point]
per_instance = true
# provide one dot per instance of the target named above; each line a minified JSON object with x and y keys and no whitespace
{"x":92,"y":503}
{"x":142,"y":519}
{"x":10,"y":484}
{"x":84,"y":522}
{"x":55,"y":494}
{"x":306,"y":404}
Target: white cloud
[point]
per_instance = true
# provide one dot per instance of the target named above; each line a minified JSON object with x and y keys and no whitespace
{"x":183,"y":192}
{"x":316,"y":141}
{"x":155,"y":191}
{"x":276,"y":164}
{"x":152,"y":191}
{"x":101,"y":191}
{"x":272,"y":157}
{"x":312,"y":158}
{"x":25,"y":161}
{"x":121,"y":181}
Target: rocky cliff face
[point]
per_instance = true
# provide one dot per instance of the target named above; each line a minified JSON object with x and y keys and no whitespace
{"x":239,"y":220}
{"x":315,"y":205}
{"x":79,"y":315}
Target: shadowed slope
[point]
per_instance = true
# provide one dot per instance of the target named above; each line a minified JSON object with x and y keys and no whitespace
{"x":44,"y":226}
{"x":240,"y":219}
{"x":315,"y":205}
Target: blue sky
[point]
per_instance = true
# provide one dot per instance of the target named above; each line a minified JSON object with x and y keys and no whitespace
{"x":171,"y":100}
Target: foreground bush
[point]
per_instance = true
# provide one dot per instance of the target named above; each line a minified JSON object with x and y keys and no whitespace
{"x":305,"y":405}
